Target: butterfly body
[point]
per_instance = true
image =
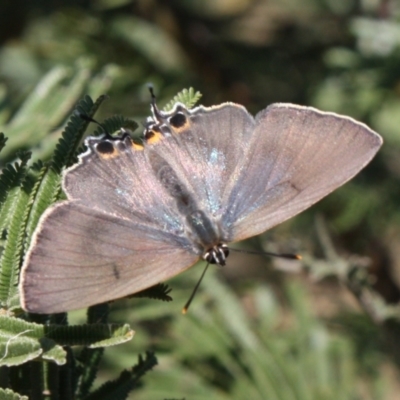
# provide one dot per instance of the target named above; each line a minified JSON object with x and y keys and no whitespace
{"x":138,"y":214}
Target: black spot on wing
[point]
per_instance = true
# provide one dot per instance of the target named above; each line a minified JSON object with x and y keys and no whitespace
{"x":115,"y":271}
{"x":297,"y":189}
{"x":149,"y":134}
{"x":178,"y":120}
{"x":105,"y":147}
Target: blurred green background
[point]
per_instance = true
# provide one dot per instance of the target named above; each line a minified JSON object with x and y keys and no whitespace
{"x":323,"y":328}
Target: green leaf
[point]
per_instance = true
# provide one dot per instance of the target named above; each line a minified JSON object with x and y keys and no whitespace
{"x":158,"y":292}
{"x":188,"y":97}
{"x":115,"y":123}
{"x":250,"y":348}
{"x":92,"y":335}
{"x":3,"y":140}
{"x":8,"y":394}
{"x":128,"y":380}
{"x":11,"y":179}
{"x":90,"y":359}
{"x":13,"y":250}
{"x":45,"y":107}
{"x":21,"y":341}
{"x":151,"y":41}
{"x":119,"y":334}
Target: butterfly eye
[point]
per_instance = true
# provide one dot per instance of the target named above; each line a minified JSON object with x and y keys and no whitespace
{"x":178,"y":120}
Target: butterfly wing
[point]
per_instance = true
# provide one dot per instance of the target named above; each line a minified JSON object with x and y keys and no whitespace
{"x":116,"y":177}
{"x":81,"y":256}
{"x":202,"y":155}
{"x":296,"y":156}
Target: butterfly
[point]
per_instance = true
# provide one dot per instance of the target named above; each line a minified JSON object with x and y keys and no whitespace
{"x":138,"y":214}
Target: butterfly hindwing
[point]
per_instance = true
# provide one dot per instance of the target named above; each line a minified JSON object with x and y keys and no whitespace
{"x":122,"y":182}
{"x":203,"y":154}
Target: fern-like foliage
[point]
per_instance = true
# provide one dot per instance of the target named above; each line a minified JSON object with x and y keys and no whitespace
{"x":126,"y":382}
{"x":3,"y":140}
{"x":46,"y":107}
{"x":159,"y":292}
{"x":11,"y":177}
{"x":7,"y":394}
{"x":115,"y":124}
{"x":225,"y":348}
{"x":13,"y":211}
{"x":187,"y":97}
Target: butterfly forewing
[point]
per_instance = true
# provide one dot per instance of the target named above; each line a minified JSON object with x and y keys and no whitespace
{"x":296,"y":156}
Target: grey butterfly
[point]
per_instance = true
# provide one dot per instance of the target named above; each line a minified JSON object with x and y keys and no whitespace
{"x":137,"y":215}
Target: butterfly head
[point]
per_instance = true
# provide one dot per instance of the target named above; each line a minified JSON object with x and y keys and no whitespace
{"x":217,"y":254}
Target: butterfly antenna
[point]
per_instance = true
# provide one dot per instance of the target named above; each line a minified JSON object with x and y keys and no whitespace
{"x":289,"y":256}
{"x":156,"y":112}
{"x":186,"y":307}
